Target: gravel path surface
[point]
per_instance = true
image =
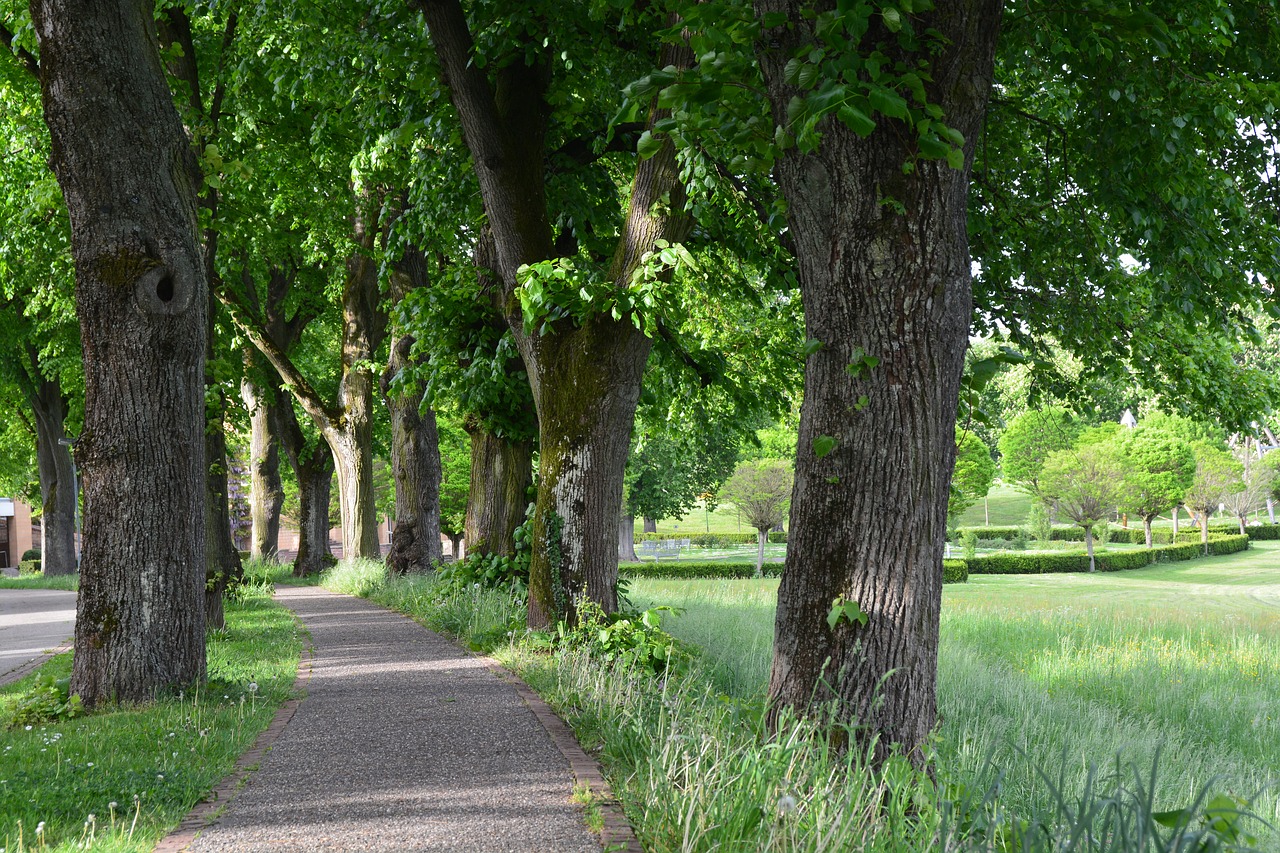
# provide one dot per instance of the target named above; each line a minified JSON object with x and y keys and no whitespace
{"x":403,"y":743}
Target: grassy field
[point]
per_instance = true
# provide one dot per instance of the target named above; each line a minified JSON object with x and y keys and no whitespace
{"x":1063,"y":671}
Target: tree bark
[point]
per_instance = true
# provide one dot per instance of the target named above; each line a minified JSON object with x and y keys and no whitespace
{"x":1146,"y":528}
{"x":129,"y":180}
{"x":415,"y":466}
{"x":455,"y":545}
{"x":57,"y":479}
{"x":762,"y":536}
{"x":650,"y":525}
{"x":266,"y":489}
{"x":501,"y":474}
{"x":627,"y":539}
{"x":222,"y":560}
{"x":1177,"y":511}
{"x":313,"y":468}
{"x":1088,"y":547}
{"x":890,"y":281}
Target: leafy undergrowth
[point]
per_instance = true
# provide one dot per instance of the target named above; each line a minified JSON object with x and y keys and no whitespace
{"x":120,"y":778}
{"x":696,"y":771}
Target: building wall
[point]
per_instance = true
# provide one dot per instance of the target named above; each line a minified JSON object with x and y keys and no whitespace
{"x":21,"y":536}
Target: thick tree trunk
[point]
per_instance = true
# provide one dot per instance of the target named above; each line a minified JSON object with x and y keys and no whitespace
{"x":353,"y":464}
{"x":315,"y":480}
{"x":57,"y":481}
{"x":627,"y":539}
{"x":266,"y":490}
{"x":586,"y":383}
{"x":650,"y":525}
{"x":890,"y":282}
{"x":415,"y":466}
{"x":455,"y":544}
{"x":501,"y":474}
{"x":129,"y":180}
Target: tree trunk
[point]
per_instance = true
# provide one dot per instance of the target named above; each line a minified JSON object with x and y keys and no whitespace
{"x":1243,"y":519}
{"x":1088,"y":547}
{"x":1146,"y":527}
{"x":57,"y":480}
{"x":415,"y":466}
{"x":627,"y":539}
{"x":313,"y":469}
{"x":129,"y":180}
{"x":222,"y":560}
{"x":586,"y":383}
{"x":266,"y":490}
{"x":889,"y":281}
{"x":650,"y":525}
{"x":1271,"y":511}
{"x":1177,"y":511}
{"x":455,"y":544}
{"x":762,"y":536}
{"x":1204,"y":532}
{"x":501,"y":474}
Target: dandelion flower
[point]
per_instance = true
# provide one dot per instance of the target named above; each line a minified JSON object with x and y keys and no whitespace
{"x":786,"y":804}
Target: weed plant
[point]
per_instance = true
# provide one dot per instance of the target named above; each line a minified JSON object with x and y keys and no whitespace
{"x":119,"y":778}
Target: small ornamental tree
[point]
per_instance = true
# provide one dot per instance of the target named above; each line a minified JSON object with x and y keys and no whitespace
{"x":1218,"y":476}
{"x":974,"y":472}
{"x":761,"y":491}
{"x":1159,"y":468}
{"x":1258,"y":480}
{"x":1085,"y":482}
{"x":1030,"y":439}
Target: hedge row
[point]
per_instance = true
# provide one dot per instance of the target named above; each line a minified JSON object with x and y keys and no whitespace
{"x":711,"y":540}
{"x":29,"y":567}
{"x":953,"y":571}
{"x":1018,"y":563}
{"x":1134,"y":535}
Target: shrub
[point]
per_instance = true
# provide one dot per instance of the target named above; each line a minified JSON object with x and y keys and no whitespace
{"x":969,"y":544}
{"x":30,"y":554}
{"x":49,"y":701}
{"x":675,"y":569}
{"x":29,"y":567}
{"x":1077,"y":561}
{"x":955,"y":571}
{"x":712,"y":540}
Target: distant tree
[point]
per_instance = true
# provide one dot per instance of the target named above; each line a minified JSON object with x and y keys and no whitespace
{"x":1159,"y":468}
{"x":455,"y":481}
{"x":761,"y":491}
{"x":1030,"y":439}
{"x":1258,"y":480}
{"x":1085,"y":483}
{"x":1218,"y":476}
{"x":975,"y":470}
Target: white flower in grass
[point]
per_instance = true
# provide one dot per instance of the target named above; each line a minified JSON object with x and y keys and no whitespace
{"x":787,"y":804}
{"x":253,"y":687}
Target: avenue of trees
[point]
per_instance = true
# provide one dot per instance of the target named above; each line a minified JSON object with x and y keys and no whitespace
{"x":618,"y":238}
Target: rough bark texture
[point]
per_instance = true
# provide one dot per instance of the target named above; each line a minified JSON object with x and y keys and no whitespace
{"x":868,"y":519}
{"x":627,"y":538}
{"x":585,"y":377}
{"x":57,"y":480}
{"x":313,"y":468}
{"x":266,"y":495}
{"x":129,"y":180}
{"x":415,"y":466}
{"x":650,"y":525}
{"x":222,"y":560}
{"x":501,"y":474}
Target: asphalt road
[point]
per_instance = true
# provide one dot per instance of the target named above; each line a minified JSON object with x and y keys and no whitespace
{"x":32,"y":623}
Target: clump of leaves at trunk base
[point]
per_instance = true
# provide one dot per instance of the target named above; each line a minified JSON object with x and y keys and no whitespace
{"x":634,"y":640}
{"x":49,"y":701}
{"x":492,"y":571}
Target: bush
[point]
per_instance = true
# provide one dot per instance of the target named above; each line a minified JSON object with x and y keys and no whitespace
{"x":955,"y":571}
{"x":30,"y":554}
{"x":712,"y":540}
{"x":694,"y":569}
{"x":30,"y":567}
{"x":1078,"y":561}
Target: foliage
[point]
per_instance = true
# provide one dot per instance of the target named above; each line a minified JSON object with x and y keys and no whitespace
{"x":1085,"y":482}
{"x":627,"y":641}
{"x":974,"y":472}
{"x":955,"y":571}
{"x":455,"y":476}
{"x":1039,"y":525}
{"x":969,"y":543}
{"x":493,"y":570}
{"x":1217,"y":476}
{"x":29,"y":567}
{"x":1258,"y":483}
{"x":761,"y":491}
{"x":48,"y":701}
{"x":1030,"y":439}
{"x":1158,"y":469}
{"x":1036,"y":564}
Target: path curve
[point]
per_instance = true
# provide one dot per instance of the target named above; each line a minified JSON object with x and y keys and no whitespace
{"x":403,"y":743}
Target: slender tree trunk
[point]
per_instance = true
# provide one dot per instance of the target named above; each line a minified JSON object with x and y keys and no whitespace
{"x":1271,"y":511}
{"x":57,"y":481}
{"x":501,"y":474}
{"x":892,"y":282}
{"x":1146,"y":527}
{"x":1088,"y":547}
{"x":650,"y":525}
{"x":1242,"y":519}
{"x":762,"y":536}
{"x":627,"y":539}
{"x":1177,"y":511}
{"x":129,"y":180}
{"x":415,"y":466}
{"x":266,"y":490}
{"x":1204,"y":532}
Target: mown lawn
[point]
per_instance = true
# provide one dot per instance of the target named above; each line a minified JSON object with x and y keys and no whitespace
{"x":1061,"y":671}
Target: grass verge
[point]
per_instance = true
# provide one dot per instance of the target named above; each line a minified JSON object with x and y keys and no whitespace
{"x":121,"y":778}
{"x":70,"y":583}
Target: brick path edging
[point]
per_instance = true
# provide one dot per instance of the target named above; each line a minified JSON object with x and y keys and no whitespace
{"x":207,"y":810}
{"x":35,"y":663}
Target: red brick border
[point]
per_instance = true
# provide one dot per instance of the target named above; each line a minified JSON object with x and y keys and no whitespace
{"x":35,"y":663}
{"x":207,"y":810}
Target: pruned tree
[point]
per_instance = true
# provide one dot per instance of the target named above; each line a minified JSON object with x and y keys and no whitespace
{"x":1085,"y":483}
{"x":1158,"y":469}
{"x":1258,"y":483}
{"x":1218,"y":476}
{"x":1030,"y":439}
{"x":761,"y":490}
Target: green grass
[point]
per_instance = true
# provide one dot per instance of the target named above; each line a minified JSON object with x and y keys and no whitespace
{"x":722,"y":519}
{"x":1181,"y":660}
{"x":1008,"y":506}
{"x":65,"y":582}
{"x":165,"y":755}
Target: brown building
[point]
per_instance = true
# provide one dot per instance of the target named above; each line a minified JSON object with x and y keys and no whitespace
{"x":18,"y":532}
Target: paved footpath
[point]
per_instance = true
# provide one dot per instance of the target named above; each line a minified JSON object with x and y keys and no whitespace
{"x":32,"y":623}
{"x":403,"y":743}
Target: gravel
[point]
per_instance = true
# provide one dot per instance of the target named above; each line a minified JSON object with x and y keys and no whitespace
{"x":403,"y":743}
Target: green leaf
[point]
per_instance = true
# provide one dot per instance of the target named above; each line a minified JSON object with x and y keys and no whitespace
{"x":823,"y":445}
{"x":810,"y":347}
{"x":892,"y":19}
{"x":648,"y":145}
{"x":856,"y":120}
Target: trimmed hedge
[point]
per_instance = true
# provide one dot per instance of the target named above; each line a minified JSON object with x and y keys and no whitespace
{"x":711,"y":540}
{"x":1041,"y":564}
{"x":1135,"y":535}
{"x":678,"y":569}
{"x":955,"y":571}
{"x":29,"y":567}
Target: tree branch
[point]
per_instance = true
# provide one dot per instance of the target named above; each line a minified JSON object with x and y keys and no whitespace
{"x":762,"y":213}
{"x":580,"y":150}
{"x":26,"y":57}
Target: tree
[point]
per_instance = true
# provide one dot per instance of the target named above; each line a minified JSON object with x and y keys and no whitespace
{"x":1158,"y":469}
{"x":141,"y":297}
{"x":761,"y":490}
{"x":455,"y":483}
{"x":1030,"y":439}
{"x":1258,"y":481}
{"x":1085,"y":482}
{"x":974,"y":472}
{"x":1217,"y":477}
